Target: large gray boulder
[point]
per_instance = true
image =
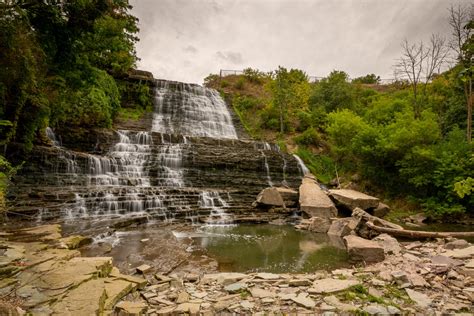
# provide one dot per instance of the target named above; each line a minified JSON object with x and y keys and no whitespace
{"x":270,"y":197}
{"x":289,"y":196}
{"x":314,"y":201}
{"x":315,"y":224}
{"x":361,"y":249}
{"x":343,"y":226}
{"x":381,"y":210}
{"x":352,"y":199}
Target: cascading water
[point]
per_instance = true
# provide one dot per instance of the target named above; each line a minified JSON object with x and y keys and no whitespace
{"x":304,"y":170}
{"x":216,"y":204}
{"x":201,"y":112}
{"x":118,"y":183}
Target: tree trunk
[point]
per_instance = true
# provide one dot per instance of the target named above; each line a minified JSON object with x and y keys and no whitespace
{"x":469,"y":112}
{"x":417,"y":234}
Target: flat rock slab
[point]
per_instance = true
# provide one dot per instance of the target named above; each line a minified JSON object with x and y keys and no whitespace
{"x":464,"y":253}
{"x":261,"y":293}
{"x":361,"y":249}
{"x":267,"y":276}
{"x":343,"y":226}
{"x":223,"y":278}
{"x":314,"y":201}
{"x":304,"y":300}
{"x":420,"y":299}
{"x":132,"y":308}
{"x":331,"y":285}
{"x":352,"y":199}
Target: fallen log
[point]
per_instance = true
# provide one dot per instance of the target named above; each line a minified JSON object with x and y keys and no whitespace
{"x":417,"y":234}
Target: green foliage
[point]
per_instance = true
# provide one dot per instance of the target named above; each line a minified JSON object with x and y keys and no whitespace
{"x":320,"y":165}
{"x":464,"y":187}
{"x":333,"y":93}
{"x":367,"y":79}
{"x":240,"y":83}
{"x":308,"y":137}
{"x":255,"y":76}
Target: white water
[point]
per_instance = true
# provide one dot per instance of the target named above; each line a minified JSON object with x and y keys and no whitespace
{"x":201,"y":112}
{"x":267,"y":168}
{"x":216,"y":204}
{"x":304,"y":170}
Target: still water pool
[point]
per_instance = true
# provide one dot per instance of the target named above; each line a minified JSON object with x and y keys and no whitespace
{"x":270,"y":248}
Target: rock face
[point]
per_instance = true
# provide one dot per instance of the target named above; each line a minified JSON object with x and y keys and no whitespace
{"x":360,"y":249}
{"x":352,"y":199}
{"x":314,"y":202}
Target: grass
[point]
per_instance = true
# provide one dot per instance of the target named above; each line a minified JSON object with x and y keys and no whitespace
{"x":133,"y":114}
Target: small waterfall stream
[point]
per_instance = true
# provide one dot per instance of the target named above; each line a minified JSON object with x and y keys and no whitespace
{"x":304,"y":170}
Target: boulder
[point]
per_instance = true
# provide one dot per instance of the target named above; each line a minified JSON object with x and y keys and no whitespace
{"x":381,"y":210}
{"x":457,"y":244}
{"x":315,"y":224}
{"x":389,"y":244}
{"x":314,"y":202}
{"x":289,"y":196}
{"x":270,"y":197}
{"x":361,"y":249}
{"x":343,"y":226}
{"x":352,"y":199}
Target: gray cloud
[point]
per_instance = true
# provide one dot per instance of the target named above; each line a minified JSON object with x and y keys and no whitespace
{"x":188,"y":39}
{"x":190,"y":49}
{"x":232,"y":57}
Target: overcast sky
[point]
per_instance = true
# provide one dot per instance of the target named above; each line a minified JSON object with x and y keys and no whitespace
{"x":185,"y":40}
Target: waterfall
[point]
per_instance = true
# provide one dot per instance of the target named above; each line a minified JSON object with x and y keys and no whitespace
{"x":216,"y":204}
{"x":304,"y":170}
{"x":267,"y":168}
{"x":201,"y":111}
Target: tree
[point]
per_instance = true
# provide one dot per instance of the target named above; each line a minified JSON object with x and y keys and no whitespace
{"x":367,"y":79}
{"x":462,"y":44}
{"x":418,"y":64}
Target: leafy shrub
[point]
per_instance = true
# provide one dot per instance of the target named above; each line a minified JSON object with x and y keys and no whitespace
{"x":308,"y":137}
{"x":240,"y":83}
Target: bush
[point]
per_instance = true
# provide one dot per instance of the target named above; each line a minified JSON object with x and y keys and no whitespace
{"x":308,"y":137}
{"x":240,"y":83}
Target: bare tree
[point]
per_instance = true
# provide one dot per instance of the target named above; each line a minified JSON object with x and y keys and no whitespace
{"x":461,"y":33}
{"x":418,"y":64}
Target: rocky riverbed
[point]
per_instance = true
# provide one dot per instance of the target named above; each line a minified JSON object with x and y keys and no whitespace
{"x":42,"y":273}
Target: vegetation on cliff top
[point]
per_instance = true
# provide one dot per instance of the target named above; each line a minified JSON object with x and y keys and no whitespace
{"x":63,"y":64}
{"x":405,"y":139}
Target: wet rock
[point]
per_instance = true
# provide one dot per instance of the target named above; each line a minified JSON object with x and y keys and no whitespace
{"x":360,"y":249}
{"x":303,"y":300}
{"x":457,"y":244}
{"x":352,"y":199}
{"x":270,"y":197}
{"x":343,"y":226}
{"x":381,"y":210}
{"x":314,"y":202}
{"x":315,"y":224}
{"x":419,"y":298}
{"x":76,"y":241}
{"x":331,"y":286}
{"x":390,"y":245}
{"x":144,"y":268}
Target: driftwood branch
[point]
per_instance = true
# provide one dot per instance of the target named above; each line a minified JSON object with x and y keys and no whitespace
{"x":417,"y":234}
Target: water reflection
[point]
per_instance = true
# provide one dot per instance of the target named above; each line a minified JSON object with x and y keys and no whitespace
{"x":269,"y":248}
